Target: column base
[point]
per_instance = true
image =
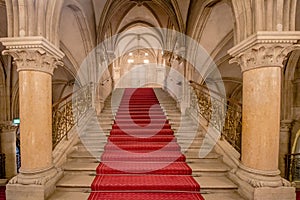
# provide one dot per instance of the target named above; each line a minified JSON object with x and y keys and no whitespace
{"x":263,"y":185}
{"x":287,"y":193}
{"x":33,"y":186}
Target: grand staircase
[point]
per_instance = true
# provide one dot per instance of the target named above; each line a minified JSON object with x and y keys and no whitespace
{"x":80,"y":169}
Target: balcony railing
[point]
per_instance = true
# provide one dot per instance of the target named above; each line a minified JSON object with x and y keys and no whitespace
{"x":293,"y":167}
{"x":68,"y":111}
{"x":223,"y":114}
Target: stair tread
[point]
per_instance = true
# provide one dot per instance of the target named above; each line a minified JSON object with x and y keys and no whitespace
{"x":215,"y":182}
{"x":65,"y":195}
{"x":209,"y":167}
{"x":82,"y":181}
{"x":223,"y":196}
{"x":205,"y":182}
{"x":196,"y":166}
{"x":84,"y":166}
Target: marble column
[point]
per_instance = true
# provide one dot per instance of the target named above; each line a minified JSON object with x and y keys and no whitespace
{"x":261,"y":57}
{"x":261,"y":117}
{"x":8,"y":147}
{"x":36,"y":60}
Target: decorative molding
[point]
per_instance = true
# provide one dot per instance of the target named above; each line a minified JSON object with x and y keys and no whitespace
{"x":7,"y":126}
{"x":265,"y":37}
{"x":2,"y":3}
{"x":34,"y":60}
{"x":32,"y":42}
{"x":139,"y":2}
{"x":111,"y":56}
{"x":264,"y":49}
{"x":33,"y":53}
{"x":167,"y":54}
{"x":35,"y":178}
{"x":261,"y":178}
{"x":180,"y":54}
{"x":286,"y":125}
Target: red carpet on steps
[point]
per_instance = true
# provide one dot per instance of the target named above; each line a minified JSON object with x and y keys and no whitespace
{"x":142,"y":160}
{"x":2,"y":192}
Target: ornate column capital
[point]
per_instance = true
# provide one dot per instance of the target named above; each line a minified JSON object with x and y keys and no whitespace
{"x":286,"y":125}
{"x":111,"y":55}
{"x":33,"y":53}
{"x":167,"y":55}
{"x":7,"y":126}
{"x":264,"y":49}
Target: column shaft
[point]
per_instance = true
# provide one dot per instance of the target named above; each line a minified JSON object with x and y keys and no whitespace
{"x":36,"y":120}
{"x":261,"y":118}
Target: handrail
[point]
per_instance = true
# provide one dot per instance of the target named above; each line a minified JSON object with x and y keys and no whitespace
{"x":215,"y":92}
{"x":62,"y":99}
{"x":66,"y":97}
{"x":68,"y":111}
{"x":224,"y":114}
{"x":293,"y":154}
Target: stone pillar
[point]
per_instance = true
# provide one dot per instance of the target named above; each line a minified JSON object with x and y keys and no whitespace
{"x":112,"y":61}
{"x":261,"y":57}
{"x":36,"y":60}
{"x":167,"y":64}
{"x":285,"y":128}
{"x":8,"y":147}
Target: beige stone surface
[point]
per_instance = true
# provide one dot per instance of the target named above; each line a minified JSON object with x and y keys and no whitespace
{"x":36,"y":120}
{"x":69,"y":195}
{"x":223,"y":196}
{"x":261,"y":115}
{"x":280,"y":193}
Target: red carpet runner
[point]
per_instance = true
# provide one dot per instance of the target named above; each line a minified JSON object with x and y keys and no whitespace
{"x":142,"y":159}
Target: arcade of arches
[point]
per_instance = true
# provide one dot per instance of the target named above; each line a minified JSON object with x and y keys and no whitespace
{"x":253,"y":44}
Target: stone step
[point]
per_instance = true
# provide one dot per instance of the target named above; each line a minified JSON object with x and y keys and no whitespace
{"x":65,"y":195}
{"x":181,"y":138}
{"x":215,"y":183}
{"x":209,"y":168}
{"x":82,"y":183}
{"x":94,"y":148}
{"x":78,"y":183}
{"x":80,"y":167}
{"x":184,"y":129}
{"x":95,"y":155}
{"x":225,"y":195}
{"x":85,"y":156}
{"x":192,"y":157}
{"x":200,"y":168}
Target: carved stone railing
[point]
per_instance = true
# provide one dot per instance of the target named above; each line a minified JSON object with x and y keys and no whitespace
{"x":68,"y":111}
{"x":223,"y":114}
